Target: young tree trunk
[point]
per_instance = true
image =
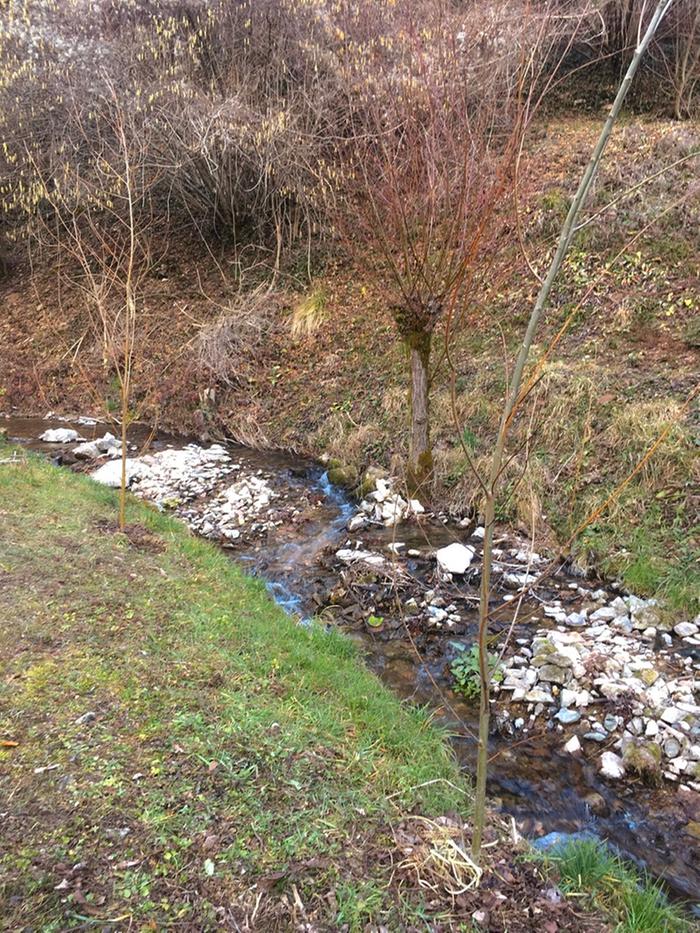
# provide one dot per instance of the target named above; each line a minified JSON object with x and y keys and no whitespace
{"x":420,"y":460}
{"x":566,"y":237}
{"x":123,"y":476}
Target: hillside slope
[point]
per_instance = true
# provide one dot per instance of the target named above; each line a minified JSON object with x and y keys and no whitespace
{"x":317,"y":367}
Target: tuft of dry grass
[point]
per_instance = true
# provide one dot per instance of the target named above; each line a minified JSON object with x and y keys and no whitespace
{"x":437,"y":855}
{"x":308,"y":314}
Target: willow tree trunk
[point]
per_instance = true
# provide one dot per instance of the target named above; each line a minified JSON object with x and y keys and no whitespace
{"x":420,"y":460}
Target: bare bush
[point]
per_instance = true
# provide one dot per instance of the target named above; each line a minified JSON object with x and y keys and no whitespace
{"x":438,"y":111}
{"x":671,"y":72}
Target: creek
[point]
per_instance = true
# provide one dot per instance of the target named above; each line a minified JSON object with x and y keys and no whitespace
{"x":291,"y":541}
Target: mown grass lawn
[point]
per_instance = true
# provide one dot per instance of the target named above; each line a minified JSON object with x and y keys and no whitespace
{"x":226,"y":758}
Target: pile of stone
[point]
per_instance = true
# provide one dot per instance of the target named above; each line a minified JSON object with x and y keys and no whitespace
{"x":171,"y":477}
{"x":385,"y":507}
{"x":617,"y":654}
{"x":108,"y":446}
{"x":245,"y":503}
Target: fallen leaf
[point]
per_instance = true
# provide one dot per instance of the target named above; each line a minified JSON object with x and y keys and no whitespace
{"x":7,"y":743}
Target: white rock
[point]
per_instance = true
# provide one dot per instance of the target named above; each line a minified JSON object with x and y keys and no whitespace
{"x":415,"y":507}
{"x":519,"y":579}
{"x":611,"y":766}
{"x":455,"y":558}
{"x":349,"y":556}
{"x":685,"y":629}
{"x":356,"y":523}
{"x":60,"y":436}
{"x":108,"y":442}
{"x":672,"y":715}
{"x":393,"y":510}
{"x":479,"y":532}
{"x":604,"y":614}
{"x":382,"y":490}
{"x":573,"y":745}
{"x":87,"y":451}
{"x":110,"y":474}
{"x":437,"y":614}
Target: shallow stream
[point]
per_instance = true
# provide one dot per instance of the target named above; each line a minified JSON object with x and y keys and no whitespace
{"x":544,"y":788}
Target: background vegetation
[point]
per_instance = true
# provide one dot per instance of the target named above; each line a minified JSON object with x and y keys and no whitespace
{"x":257,"y":268}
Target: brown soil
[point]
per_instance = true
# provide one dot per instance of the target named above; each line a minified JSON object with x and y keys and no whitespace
{"x":137,"y":535}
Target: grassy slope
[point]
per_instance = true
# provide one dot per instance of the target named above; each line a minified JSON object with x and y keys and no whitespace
{"x":237,"y":770}
{"x":223,"y":731}
{"x":620,"y":374}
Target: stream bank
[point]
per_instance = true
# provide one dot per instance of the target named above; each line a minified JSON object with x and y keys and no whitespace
{"x":280,"y":517}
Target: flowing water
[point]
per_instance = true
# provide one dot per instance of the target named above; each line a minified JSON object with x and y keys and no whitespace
{"x":532,"y":778}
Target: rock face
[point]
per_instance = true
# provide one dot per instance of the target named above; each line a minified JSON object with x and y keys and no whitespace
{"x":455,"y":558}
{"x":59,"y":436}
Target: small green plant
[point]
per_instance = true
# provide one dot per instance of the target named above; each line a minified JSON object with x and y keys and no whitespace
{"x":588,"y":869}
{"x":469,"y":439}
{"x":465,"y":671}
{"x":375,"y":621}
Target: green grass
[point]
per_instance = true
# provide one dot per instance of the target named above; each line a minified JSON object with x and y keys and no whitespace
{"x":654,"y":555}
{"x":232,"y":752}
{"x":590,"y":871}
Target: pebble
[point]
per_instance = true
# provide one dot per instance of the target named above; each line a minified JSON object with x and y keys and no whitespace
{"x":686,"y":629}
{"x":90,"y":716}
{"x":596,"y":736}
{"x":567,"y":716}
